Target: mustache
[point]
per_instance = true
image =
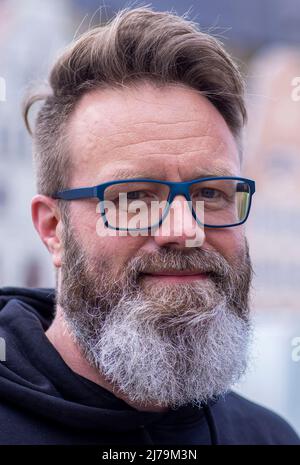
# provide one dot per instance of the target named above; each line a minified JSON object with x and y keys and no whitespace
{"x":196,"y":261}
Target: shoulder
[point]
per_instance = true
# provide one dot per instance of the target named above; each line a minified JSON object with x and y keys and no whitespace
{"x":241,"y":421}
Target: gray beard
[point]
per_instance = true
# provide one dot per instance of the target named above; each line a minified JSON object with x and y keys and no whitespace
{"x":164,"y":345}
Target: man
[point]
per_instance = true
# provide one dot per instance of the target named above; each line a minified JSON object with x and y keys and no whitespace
{"x":142,"y":205}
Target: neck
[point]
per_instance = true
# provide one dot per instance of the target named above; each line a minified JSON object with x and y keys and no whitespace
{"x":62,"y":340}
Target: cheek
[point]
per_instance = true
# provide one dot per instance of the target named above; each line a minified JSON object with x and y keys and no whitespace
{"x":228,"y":242}
{"x":100,"y":241}
{"x":84,"y":221}
{"x":119,"y":250}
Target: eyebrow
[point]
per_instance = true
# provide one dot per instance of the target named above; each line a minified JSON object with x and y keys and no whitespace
{"x":123,"y":173}
{"x":212,"y":172}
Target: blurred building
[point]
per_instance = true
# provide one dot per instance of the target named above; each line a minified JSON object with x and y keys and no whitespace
{"x":245,"y":25}
{"x":30,"y":37}
{"x":272,"y":157}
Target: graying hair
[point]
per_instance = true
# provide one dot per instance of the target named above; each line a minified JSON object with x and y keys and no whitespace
{"x":137,"y":45}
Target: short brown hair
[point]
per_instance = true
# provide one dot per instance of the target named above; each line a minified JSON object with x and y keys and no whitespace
{"x":137,"y":45}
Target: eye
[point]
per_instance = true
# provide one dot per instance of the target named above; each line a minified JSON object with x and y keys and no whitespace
{"x":134,"y":195}
{"x":209,"y":193}
{"x":139,"y":195}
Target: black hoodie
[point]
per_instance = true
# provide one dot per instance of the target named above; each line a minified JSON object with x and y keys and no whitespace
{"x":42,"y":401}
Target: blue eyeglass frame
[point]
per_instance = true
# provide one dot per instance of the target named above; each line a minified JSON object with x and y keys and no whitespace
{"x":176,"y":188}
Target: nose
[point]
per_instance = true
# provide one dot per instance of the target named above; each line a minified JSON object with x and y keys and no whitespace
{"x":179,"y":228}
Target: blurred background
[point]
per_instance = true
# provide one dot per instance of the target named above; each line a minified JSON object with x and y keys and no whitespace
{"x":264,"y":37}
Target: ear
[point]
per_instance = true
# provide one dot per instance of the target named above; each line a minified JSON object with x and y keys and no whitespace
{"x":47,"y":221}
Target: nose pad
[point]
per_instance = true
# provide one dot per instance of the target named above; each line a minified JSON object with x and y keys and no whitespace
{"x":197,"y":211}
{"x":196,"y":217}
{"x":180,"y":223}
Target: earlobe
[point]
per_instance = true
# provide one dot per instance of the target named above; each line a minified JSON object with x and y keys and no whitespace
{"x":47,"y":222}
{"x":55,"y":246}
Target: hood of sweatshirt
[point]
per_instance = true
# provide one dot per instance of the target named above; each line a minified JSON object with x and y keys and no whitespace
{"x":36,"y":382}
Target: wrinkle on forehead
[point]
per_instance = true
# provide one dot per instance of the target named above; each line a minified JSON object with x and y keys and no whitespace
{"x":149,"y":171}
{"x":110,"y":109}
{"x":112,"y":130}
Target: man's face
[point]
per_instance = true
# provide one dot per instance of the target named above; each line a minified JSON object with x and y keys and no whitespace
{"x":168,"y":134}
{"x":160,"y":340}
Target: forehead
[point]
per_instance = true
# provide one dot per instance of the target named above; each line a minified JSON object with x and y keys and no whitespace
{"x":166,"y":132}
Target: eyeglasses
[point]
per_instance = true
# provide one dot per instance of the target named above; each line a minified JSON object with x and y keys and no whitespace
{"x":226,"y":201}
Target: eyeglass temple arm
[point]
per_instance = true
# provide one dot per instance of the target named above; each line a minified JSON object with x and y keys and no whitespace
{"x":80,"y":193}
